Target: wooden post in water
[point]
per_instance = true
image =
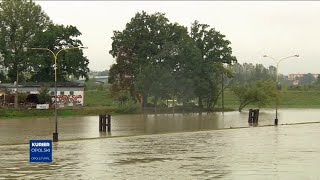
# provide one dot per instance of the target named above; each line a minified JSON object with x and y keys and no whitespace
{"x":104,"y":123}
{"x":100,"y":122}
{"x":250,"y":116}
{"x":109,"y":123}
{"x":256,"y":116}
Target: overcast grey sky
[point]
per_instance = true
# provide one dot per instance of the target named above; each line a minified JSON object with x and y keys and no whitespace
{"x":255,"y":28}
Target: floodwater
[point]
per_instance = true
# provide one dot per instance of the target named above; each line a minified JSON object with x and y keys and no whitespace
{"x":266,"y":152}
{"x":283,"y":152}
{"x":17,"y":131}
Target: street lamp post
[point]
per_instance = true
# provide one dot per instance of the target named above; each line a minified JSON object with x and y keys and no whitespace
{"x":55,"y":56}
{"x":278,"y":83}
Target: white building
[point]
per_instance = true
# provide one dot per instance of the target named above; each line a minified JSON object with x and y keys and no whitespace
{"x":68,"y":93}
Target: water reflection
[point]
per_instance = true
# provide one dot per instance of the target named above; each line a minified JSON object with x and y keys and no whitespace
{"x":13,"y":131}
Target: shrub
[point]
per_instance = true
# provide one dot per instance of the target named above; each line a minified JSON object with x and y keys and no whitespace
{"x":44,"y":96}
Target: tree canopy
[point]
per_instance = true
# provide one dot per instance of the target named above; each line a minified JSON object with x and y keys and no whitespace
{"x":20,"y":21}
{"x":24,"y":24}
{"x":157,"y":58}
{"x":260,"y":93}
{"x":70,"y":62}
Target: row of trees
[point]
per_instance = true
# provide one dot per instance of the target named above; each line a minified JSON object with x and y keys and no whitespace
{"x":24,"y":24}
{"x":159,"y":59}
{"x":249,"y":73}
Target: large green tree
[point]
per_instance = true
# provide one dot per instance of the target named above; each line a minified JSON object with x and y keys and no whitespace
{"x":20,"y":21}
{"x":137,"y":47}
{"x":171,"y":77}
{"x":24,"y":24}
{"x":215,"y":51}
{"x":161,"y":59}
{"x":70,"y":62}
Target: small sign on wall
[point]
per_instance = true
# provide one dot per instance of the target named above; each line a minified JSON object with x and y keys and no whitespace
{"x":42,"y":106}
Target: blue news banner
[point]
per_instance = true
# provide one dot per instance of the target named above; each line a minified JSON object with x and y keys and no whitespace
{"x":40,"y":150}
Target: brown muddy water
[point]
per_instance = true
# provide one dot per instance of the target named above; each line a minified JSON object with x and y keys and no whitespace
{"x":266,"y":152}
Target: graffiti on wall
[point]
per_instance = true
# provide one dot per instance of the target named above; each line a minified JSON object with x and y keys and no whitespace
{"x":66,"y":99}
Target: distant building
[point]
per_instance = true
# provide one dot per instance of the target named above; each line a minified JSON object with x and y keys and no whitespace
{"x":68,"y":93}
{"x":294,"y":76}
{"x":101,"y":79}
{"x":97,"y":79}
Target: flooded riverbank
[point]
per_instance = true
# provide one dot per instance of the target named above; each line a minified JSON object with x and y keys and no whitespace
{"x":17,"y":131}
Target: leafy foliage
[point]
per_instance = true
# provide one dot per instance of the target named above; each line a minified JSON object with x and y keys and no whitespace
{"x":44,"y":96}
{"x":20,"y":21}
{"x":260,"y":93}
{"x":249,"y":73}
{"x":70,"y":62}
{"x":24,"y":24}
{"x":307,"y":79}
{"x":161,"y":59}
{"x":22,"y":97}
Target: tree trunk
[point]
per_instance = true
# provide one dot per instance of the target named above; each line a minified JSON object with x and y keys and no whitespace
{"x":173,"y":104}
{"x":155,"y":103}
{"x":200,"y":105}
{"x":200,"y":102}
{"x":144,"y":100}
{"x":241,"y":106}
{"x":16,"y":94}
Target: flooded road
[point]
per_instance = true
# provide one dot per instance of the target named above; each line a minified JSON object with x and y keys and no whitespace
{"x":283,"y":152}
{"x":17,"y":131}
